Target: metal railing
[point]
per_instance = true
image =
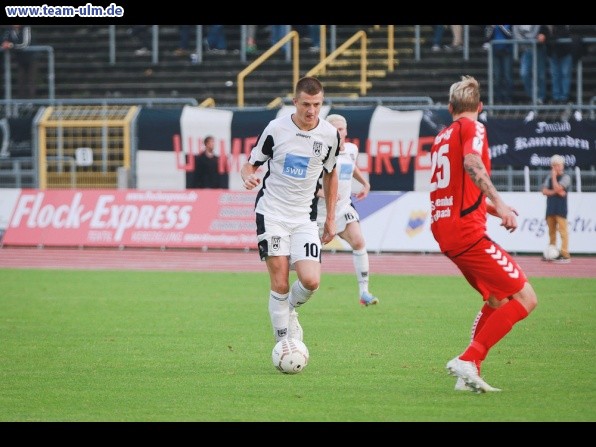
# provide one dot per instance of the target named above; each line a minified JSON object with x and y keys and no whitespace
{"x":292,"y":35}
{"x":34,"y":49}
{"x":534,"y":44}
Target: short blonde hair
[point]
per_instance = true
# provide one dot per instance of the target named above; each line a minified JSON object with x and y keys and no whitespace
{"x":557,"y":160}
{"x":335,"y":118}
{"x":464,"y":96}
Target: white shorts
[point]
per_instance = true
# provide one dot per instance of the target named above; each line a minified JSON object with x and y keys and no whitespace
{"x":341,"y":221}
{"x":298,"y":241}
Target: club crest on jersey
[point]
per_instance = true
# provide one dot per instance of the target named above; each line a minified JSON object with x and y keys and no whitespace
{"x":275,"y":240}
{"x":317,"y":148}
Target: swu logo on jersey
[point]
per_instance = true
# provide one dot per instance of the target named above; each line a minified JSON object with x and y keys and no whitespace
{"x":345,"y":172}
{"x":295,"y":166}
{"x":275,"y":240}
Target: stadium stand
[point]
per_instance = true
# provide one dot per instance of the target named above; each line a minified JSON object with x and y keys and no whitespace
{"x":83,"y":68}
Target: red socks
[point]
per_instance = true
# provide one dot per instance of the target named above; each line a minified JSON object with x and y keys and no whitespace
{"x":495,"y":326}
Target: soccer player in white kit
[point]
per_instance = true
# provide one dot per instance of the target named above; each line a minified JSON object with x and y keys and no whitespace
{"x":297,"y":148}
{"x":347,"y":219}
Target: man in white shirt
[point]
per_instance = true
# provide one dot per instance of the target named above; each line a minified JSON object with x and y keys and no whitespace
{"x":347,"y":219}
{"x":297,"y":148}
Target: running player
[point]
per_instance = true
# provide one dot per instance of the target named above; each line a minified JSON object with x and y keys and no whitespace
{"x":460,"y":183}
{"x":347,"y":219}
{"x":297,"y":148}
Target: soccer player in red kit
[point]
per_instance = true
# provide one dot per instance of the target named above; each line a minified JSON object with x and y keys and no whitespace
{"x":462,"y":194}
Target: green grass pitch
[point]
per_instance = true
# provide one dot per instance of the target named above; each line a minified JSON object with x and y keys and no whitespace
{"x":160,"y":346}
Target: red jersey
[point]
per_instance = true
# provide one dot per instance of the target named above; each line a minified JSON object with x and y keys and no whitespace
{"x":458,"y":207}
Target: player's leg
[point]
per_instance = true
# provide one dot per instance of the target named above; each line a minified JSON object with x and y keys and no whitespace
{"x":352,"y":234}
{"x":496,"y":275}
{"x":279,"y":307}
{"x":306,"y":260}
{"x":274,"y":248}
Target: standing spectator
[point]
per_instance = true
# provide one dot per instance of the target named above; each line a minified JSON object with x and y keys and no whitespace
{"x":184,"y":32}
{"x":277,"y":33}
{"x":502,"y":61}
{"x":297,"y":148}
{"x":16,"y":38}
{"x":347,"y":219}
{"x":456,"y":38}
{"x":438,"y":31}
{"x":457,"y":42}
{"x":216,"y":40}
{"x":315,"y":37}
{"x":560,"y":61}
{"x":142,"y":35}
{"x":460,"y":186}
{"x":555,"y":188}
{"x":207,"y":167}
{"x":251,"y":39}
{"x":526,"y":64}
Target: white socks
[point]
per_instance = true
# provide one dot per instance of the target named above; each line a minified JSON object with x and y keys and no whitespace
{"x":360,"y":258}
{"x":279,"y":312}
{"x":299,"y":295}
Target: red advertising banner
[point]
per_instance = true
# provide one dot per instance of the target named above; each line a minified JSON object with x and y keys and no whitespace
{"x":199,"y":218}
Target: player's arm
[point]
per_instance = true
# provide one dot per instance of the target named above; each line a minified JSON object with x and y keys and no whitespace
{"x":249,"y":177}
{"x":477,"y":171}
{"x":330,"y":181}
{"x":357,"y":174}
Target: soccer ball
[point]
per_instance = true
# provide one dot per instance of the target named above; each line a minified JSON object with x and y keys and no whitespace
{"x":551,"y":252}
{"x":290,"y":356}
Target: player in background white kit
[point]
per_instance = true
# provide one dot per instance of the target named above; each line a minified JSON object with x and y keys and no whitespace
{"x":298,"y":149}
{"x":347,"y":219}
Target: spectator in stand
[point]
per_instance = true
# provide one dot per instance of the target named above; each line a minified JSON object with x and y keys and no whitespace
{"x":251,"y":39}
{"x":560,"y":61}
{"x":207,"y":167}
{"x":16,"y":38}
{"x":142,"y":34}
{"x":315,"y":37}
{"x":183,"y":49}
{"x":277,"y":33}
{"x":438,"y":31}
{"x":457,"y":39}
{"x":502,"y":61}
{"x":216,"y":40}
{"x":526,"y":60}
{"x":456,"y":42}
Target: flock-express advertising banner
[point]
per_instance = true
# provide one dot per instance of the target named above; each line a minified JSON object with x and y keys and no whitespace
{"x":221,"y":219}
{"x":133,"y":218}
{"x":394,"y":145}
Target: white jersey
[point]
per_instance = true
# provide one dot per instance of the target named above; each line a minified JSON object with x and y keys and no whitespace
{"x":295,"y":160}
{"x":346,"y":161}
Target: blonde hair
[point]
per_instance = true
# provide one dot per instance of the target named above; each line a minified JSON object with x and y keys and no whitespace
{"x":464,"y":96}
{"x":335,"y":118}
{"x":557,"y":160}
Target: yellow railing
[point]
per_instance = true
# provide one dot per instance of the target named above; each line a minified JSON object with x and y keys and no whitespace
{"x":390,"y":46}
{"x":209,"y":102}
{"x":321,"y":66}
{"x":255,"y":64}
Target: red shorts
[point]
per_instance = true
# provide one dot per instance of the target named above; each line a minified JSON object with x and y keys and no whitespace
{"x":489,"y":269}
